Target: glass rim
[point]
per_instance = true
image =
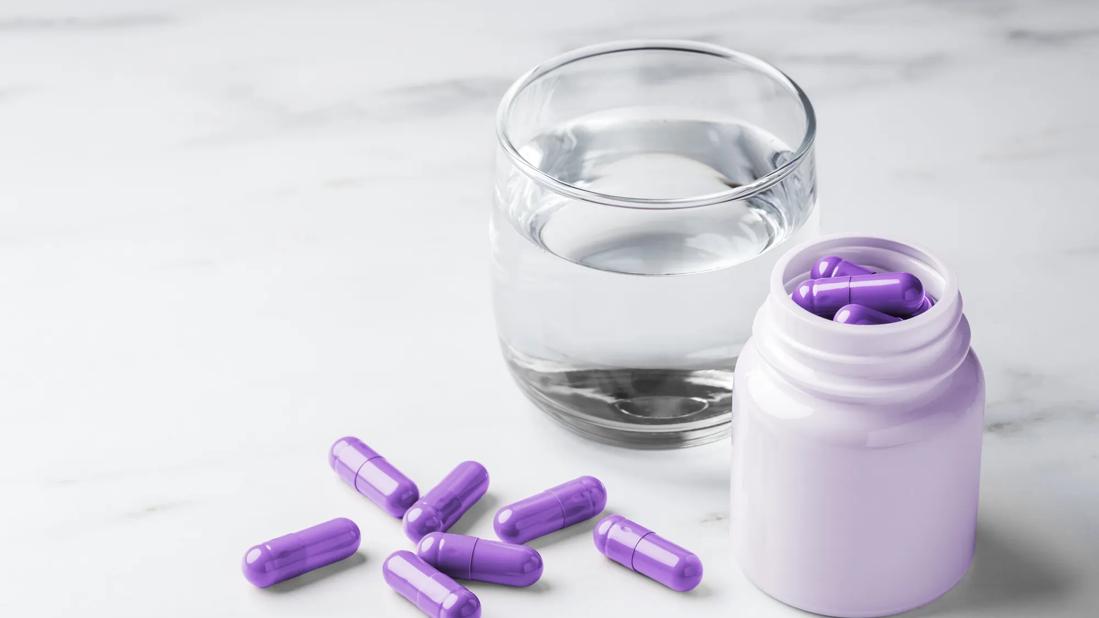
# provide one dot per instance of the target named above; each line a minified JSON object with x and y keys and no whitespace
{"x":734,"y":193}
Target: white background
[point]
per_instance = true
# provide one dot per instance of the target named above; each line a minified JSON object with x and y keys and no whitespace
{"x":231,"y":232}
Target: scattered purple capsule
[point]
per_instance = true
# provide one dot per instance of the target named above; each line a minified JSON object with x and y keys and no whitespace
{"x":446,"y":502}
{"x":372,"y":476}
{"x":898,"y":294}
{"x":300,"y":552}
{"x":833,"y":266}
{"x":861,"y":314}
{"x":436,"y":594}
{"x":639,"y":549}
{"x":468,"y":557}
{"x":556,"y":508}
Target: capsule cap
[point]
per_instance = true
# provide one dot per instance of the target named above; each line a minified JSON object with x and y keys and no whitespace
{"x":861,"y":314}
{"x":427,"y":588}
{"x":450,"y":553}
{"x":347,"y":455}
{"x":505,"y":563}
{"x":581,"y":499}
{"x":556,"y":508}
{"x":467,"y":557}
{"x":641,"y":550}
{"x":446,"y":502}
{"x":835,"y":266}
{"x":529,"y":518}
{"x":616,"y":538}
{"x":422,"y":519}
{"x":372,"y":475}
{"x":300,"y":552}
{"x":651,"y":558}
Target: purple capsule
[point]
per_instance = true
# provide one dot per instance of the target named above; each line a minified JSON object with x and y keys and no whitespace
{"x":833,"y":266}
{"x":639,"y":549}
{"x":556,"y":508}
{"x":468,"y":557}
{"x":372,"y":476}
{"x":436,"y":594}
{"x":446,"y":502}
{"x":898,"y":294}
{"x":861,"y":314}
{"x":300,"y":552}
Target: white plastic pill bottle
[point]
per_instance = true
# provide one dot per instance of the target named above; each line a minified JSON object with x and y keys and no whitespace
{"x":857,"y":448}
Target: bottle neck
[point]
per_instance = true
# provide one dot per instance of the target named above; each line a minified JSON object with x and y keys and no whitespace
{"x":884,"y":362}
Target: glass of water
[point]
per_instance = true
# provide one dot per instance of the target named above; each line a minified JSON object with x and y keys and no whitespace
{"x":643,"y":191}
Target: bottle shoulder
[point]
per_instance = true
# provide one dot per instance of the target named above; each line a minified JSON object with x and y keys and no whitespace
{"x":761,"y":396}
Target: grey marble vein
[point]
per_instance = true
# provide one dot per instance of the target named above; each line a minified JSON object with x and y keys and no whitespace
{"x":105,"y":23}
{"x":902,"y":67}
{"x":1038,"y":414}
{"x":444,"y":96}
{"x":1058,"y":37}
{"x":1024,"y":403}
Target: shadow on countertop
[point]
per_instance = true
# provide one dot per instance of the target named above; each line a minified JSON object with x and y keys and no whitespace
{"x":1006,"y":572}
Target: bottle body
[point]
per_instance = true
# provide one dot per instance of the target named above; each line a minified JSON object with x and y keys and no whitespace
{"x":857,"y":452}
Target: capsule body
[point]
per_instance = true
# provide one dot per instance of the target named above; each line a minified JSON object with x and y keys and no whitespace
{"x":551,"y":510}
{"x":372,"y":476}
{"x":898,"y":294}
{"x":446,"y":502}
{"x":436,"y":594}
{"x":834,"y":266}
{"x":861,"y":314}
{"x":300,"y":552}
{"x":468,"y":557}
{"x":639,"y":549}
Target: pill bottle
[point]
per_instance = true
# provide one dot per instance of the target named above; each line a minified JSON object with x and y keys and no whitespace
{"x":857,"y":448}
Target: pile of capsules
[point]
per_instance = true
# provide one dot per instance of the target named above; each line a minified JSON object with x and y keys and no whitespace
{"x":845,"y":292}
{"x":425,"y":577}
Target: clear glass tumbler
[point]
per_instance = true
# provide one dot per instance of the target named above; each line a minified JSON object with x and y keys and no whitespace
{"x":643,"y":190}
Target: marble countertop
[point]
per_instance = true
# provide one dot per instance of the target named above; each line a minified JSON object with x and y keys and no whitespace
{"x":233,"y":231}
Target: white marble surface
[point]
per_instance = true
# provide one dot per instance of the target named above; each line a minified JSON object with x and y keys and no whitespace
{"x":232,"y":231}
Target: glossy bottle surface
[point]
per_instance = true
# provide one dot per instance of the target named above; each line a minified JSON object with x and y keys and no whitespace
{"x":433,"y":592}
{"x":468,"y":557}
{"x":639,"y":549}
{"x":556,"y":508}
{"x":300,"y":552}
{"x":446,"y":502}
{"x":897,"y":293}
{"x":372,"y":476}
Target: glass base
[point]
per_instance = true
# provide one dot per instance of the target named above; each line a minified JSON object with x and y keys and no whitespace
{"x":634,"y":408}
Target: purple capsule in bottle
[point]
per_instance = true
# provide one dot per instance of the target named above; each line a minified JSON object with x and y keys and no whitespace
{"x":556,"y":508}
{"x":468,"y":557}
{"x":833,"y":266}
{"x":300,"y":552}
{"x":639,"y":549}
{"x":435,"y":593}
{"x":446,"y":502}
{"x":927,"y":303}
{"x":898,"y":294}
{"x":861,"y":314}
{"x":372,"y":476}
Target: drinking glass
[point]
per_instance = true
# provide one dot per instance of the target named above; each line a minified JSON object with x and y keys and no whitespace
{"x":643,"y":191}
